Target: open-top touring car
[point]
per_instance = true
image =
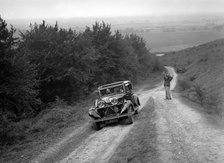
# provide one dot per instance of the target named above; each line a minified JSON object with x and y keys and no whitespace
{"x":116,"y":101}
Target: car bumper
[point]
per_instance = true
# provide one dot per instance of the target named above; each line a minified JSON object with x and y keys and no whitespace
{"x":113,"y":117}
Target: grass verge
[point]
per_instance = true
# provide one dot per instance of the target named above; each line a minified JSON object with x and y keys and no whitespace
{"x":197,"y":93}
{"x":140,"y":144}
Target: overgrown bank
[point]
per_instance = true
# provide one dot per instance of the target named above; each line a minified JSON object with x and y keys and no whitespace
{"x":201,"y":72}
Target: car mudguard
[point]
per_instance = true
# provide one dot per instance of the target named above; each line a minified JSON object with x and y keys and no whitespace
{"x":126,"y":106}
{"x":136,"y":100}
{"x":93,"y":113}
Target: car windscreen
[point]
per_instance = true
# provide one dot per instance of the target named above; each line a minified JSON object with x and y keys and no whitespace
{"x":112,"y":90}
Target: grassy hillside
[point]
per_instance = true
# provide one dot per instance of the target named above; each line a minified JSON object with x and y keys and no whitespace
{"x":201,"y":71}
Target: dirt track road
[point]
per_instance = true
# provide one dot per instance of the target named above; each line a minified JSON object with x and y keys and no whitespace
{"x":164,"y":131}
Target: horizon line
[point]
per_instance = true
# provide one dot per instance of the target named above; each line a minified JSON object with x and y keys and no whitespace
{"x":123,"y":16}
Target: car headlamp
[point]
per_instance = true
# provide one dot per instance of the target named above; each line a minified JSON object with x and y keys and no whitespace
{"x":113,"y":101}
{"x":101,"y":103}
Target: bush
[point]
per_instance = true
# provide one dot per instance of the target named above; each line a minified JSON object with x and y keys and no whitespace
{"x":192,"y":78}
{"x":212,"y":104}
{"x":49,"y":120}
{"x":5,"y":129}
{"x":59,"y":114}
{"x":10,"y":132}
{"x":181,"y":69}
{"x":201,"y":94}
{"x":184,"y":85}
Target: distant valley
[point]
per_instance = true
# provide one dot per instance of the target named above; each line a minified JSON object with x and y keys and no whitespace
{"x":162,"y":34}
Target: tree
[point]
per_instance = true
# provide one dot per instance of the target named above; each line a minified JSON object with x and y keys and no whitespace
{"x":70,"y":64}
{"x":17,"y":76}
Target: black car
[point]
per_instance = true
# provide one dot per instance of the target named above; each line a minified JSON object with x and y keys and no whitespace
{"x":116,"y":101}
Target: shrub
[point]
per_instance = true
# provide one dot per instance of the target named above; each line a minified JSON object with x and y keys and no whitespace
{"x":181,"y":69}
{"x":58,"y":115}
{"x":192,"y":78}
{"x":10,"y":132}
{"x":5,"y":129}
{"x":184,"y":85}
{"x":212,"y":104}
{"x":201,"y":94}
{"x":50,"y":119}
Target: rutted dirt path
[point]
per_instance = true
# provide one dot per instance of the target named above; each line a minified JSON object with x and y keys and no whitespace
{"x":164,"y":131}
{"x":101,"y":145}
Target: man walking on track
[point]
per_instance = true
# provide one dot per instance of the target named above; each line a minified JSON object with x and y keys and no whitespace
{"x":167,"y":79}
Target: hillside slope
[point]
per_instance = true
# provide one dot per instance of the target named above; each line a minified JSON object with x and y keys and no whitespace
{"x":202,"y":69}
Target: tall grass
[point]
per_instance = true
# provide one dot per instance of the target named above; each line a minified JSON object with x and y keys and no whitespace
{"x":196,"y":93}
{"x":57,"y":115}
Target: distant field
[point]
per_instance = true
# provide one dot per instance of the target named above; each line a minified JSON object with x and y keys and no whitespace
{"x":173,"y":41}
{"x":162,"y":34}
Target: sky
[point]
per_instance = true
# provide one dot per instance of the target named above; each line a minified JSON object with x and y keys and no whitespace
{"x":28,"y":9}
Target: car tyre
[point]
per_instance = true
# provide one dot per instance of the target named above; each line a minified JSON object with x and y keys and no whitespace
{"x":138,"y":102}
{"x":97,"y":126}
{"x":136,"y":111}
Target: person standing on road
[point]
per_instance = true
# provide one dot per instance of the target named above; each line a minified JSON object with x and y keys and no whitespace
{"x":167,"y":79}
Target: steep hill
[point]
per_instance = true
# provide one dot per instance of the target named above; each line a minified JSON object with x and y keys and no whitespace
{"x":202,"y":69}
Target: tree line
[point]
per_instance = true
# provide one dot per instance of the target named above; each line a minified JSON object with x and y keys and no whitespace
{"x":47,"y":62}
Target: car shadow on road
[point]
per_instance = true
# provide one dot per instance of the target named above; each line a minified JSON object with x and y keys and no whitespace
{"x":140,"y":143}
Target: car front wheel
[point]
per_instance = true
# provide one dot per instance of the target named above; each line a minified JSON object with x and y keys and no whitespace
{"x":97,"y":126}
{"x":136,"y":110}
{"x":138,"y":102}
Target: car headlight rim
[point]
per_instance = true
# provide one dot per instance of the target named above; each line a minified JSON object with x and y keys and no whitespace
{"x":101,"y":104}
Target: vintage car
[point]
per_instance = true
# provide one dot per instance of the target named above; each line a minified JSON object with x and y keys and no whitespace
{"x":116,"y":102}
